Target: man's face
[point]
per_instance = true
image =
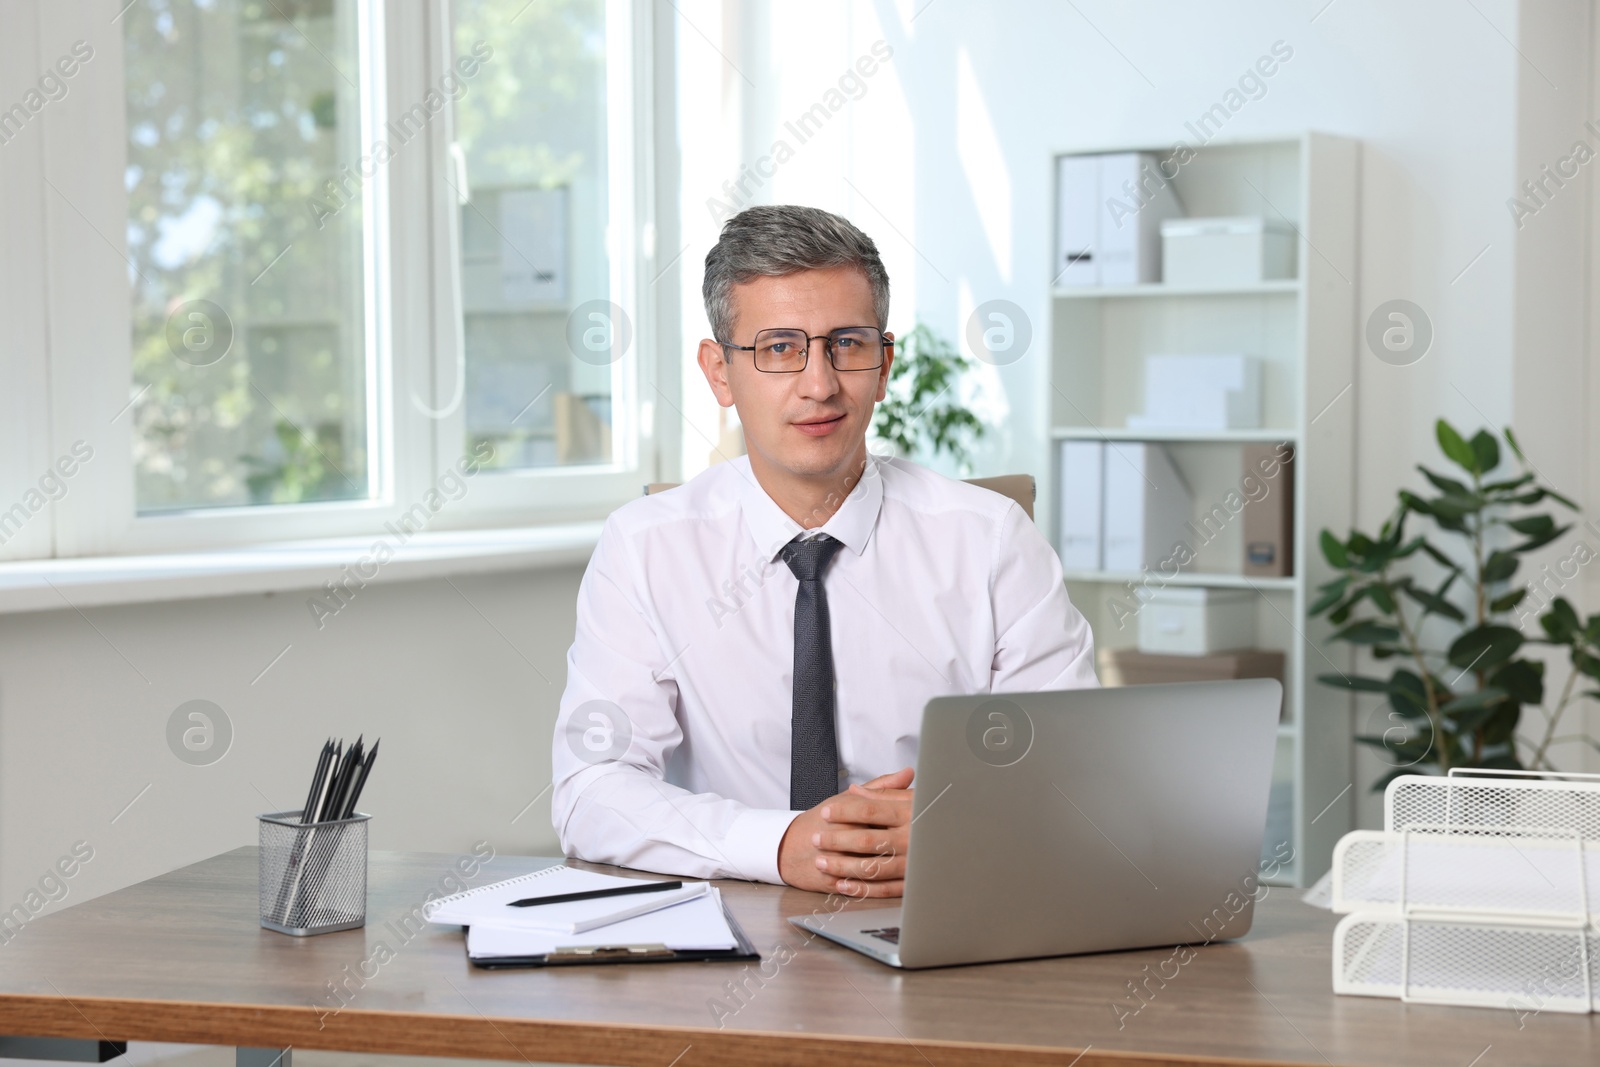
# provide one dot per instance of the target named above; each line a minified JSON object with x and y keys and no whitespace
{"x":813,"y":423}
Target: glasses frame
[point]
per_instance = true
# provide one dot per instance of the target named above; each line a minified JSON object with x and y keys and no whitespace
{"x":827,"y":348}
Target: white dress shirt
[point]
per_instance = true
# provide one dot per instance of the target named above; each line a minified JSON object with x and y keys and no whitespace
{"x":672,"y":744}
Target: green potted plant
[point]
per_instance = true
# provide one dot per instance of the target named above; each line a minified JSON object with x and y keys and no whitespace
{"x":921,"y":409}
{"x":1459,"y":677}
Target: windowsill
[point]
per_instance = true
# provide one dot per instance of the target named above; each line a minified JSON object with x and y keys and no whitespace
{"x":51,"y":584}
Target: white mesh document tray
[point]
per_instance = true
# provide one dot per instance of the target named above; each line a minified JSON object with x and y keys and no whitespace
{"x":1479,"y":891}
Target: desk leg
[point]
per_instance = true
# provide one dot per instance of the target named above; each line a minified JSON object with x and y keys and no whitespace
{"x":77,"y":1050}
{"x":261,"y":1057}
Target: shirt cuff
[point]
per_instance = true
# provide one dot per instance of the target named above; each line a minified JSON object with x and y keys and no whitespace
{"x":752,"y":842}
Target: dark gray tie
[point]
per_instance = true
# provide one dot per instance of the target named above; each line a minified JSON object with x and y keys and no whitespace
{"x":814,"y":746}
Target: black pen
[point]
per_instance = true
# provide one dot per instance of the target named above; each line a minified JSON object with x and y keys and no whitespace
{"x":592,"y":894}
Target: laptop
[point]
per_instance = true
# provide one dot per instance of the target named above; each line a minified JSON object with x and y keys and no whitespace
{"x":1087,"y":820}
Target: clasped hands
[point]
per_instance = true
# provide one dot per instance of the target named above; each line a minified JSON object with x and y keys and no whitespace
{"x":853,"y":843}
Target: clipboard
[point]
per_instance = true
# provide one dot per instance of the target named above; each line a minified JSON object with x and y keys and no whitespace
{"x":640,"y":953}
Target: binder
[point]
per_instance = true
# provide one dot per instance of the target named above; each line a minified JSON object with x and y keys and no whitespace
{"x":1269,"y":521}
{"x":1135,"y":197}
{"x":1082,"y":474}
{"x":1146,"y":505}
{"x":1077,"y":211}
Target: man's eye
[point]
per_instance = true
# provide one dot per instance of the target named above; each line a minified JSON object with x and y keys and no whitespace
{"x":779,"y":348}
{"x":846,"y":342}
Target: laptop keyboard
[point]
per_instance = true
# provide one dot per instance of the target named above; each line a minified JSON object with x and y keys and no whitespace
{"x":890,"y":934}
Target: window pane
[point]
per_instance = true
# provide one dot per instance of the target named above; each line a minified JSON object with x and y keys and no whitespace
{"x":246,"y":231}
{"x":543,"y":334}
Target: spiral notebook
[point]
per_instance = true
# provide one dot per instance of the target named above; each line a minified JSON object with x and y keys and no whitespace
{"x":691,"y":923}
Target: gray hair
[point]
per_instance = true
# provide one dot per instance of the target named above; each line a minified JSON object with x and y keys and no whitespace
{"x":778,"y":239}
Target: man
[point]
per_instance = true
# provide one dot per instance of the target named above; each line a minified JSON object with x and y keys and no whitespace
{"x":754,"y":648}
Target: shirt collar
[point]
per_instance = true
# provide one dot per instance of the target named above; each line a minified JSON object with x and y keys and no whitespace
{"x":851,"y":525}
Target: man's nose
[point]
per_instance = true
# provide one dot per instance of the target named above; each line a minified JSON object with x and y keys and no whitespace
{"x":818,"y":381}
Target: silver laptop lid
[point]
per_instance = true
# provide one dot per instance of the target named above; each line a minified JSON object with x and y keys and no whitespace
{"x":1087,"y":820}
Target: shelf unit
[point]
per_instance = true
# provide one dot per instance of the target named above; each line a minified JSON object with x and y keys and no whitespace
{"x":1304,"y":329}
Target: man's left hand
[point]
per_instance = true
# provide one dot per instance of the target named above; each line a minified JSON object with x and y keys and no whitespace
{"x":867,"y":830}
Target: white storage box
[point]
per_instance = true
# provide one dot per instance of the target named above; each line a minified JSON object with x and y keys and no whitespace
{"x":1198,"y":621}
{"x":1200,"y":392}
{"x":1225,"y":251}
{"x":1479,"y":891}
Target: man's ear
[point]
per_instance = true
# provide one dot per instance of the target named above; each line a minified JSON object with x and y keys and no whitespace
{"x":883,"y":371}
{"x":715,"y":367}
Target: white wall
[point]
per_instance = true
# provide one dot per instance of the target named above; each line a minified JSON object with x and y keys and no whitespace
{"x":944,"y":159}
{"x":461,"y":685}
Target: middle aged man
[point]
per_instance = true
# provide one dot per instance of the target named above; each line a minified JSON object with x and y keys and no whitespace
{"x":759,"y":639}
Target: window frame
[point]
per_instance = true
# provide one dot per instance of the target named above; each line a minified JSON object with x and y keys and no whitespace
{"x":585,"y":490}
{"x":412,"y":328}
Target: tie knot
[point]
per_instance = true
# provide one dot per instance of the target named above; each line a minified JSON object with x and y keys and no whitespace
{"x":806,"y":558}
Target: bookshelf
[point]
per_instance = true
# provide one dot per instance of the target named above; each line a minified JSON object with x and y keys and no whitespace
{"x":1304,"y":330}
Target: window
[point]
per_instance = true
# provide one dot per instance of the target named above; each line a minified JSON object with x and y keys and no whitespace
{"x":246,"y":242}
{"x":361,"y":242}
{"x":539,"y":320}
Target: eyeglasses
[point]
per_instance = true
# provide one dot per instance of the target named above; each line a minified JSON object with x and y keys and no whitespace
{"x":788,"y":351}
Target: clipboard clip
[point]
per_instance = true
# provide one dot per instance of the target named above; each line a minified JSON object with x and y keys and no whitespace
{"x":592,"y":953}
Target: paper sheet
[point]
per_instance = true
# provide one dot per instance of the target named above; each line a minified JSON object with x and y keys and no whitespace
{"x":694,"y":924}
{"x":491,"y":903}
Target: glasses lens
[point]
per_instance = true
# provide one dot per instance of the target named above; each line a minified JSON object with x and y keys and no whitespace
{"x":858,"y":348}
{"x":780,"y":350}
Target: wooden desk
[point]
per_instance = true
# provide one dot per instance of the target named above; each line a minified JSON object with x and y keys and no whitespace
{"x":181,"y":958}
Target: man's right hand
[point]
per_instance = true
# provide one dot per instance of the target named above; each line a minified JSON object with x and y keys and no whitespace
{"x":879,"y":872}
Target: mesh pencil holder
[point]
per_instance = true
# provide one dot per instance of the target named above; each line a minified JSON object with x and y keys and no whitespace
{"x":313,"y":876}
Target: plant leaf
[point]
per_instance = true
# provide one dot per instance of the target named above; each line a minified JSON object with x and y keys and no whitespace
{"x":1552,"y":494}
{"x":1499,"y":567}
{"x":1560,"y":621}
{"x":1508,"y":484}
{"x":1533,"y":525}
{"x":1441,"y":559}
{"x":1434,"y":604}
{"x":1368,"y":632}
{"x":1448,"y":485}
{"x":1509,"y":600}
{"x":1511,"y":439}
{"x":1484,"y":646}
{"x":1522,"y":680}
{"x":1330,"y":595}
{"x":1407,"y":696}
{"x":1334,"y":550}
{"x":1488,"y":696}
{"x":1354,"y":682}
{"x":1455,"y":448}
{"x":1486,"y":450}
{"x":1381,"y":597}
{"x":1540,"y":541}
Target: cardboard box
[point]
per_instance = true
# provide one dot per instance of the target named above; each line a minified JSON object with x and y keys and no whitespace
{"x":1128,"y":666}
